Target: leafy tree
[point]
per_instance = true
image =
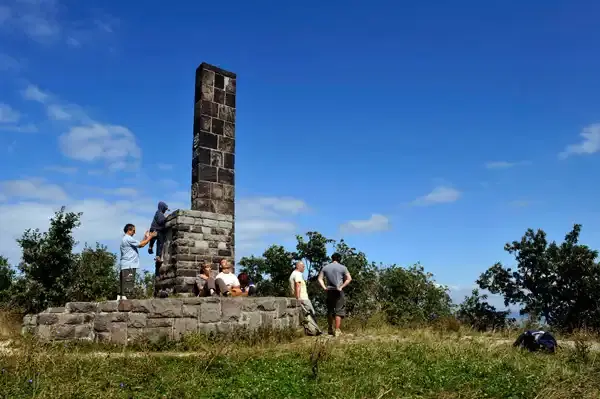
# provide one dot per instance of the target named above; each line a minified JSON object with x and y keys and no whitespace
{"x":313,"y":252}
{"x":476,"y":312}
{"x":48,"y":263}
{"x":411,"y":295}
{"x":272,"y":270}
{"x":7,"y":277}
{"x":144,"y":285}
{"x":95,"y":275}
{"x":559,"y":282}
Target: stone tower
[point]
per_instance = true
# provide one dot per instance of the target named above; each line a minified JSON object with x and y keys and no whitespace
{"x":206,"y":232}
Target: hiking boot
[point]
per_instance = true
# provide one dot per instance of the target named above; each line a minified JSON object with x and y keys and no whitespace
{"x":150,"y":250}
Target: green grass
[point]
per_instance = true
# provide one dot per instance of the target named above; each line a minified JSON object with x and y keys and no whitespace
{"x":422,"y":365}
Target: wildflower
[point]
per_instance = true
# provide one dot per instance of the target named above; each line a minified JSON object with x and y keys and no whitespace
{"x":122,"y":385}
{"x":30,"y":381}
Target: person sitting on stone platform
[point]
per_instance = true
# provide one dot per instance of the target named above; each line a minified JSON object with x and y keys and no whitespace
{"x":246,"y":284}
{"x":205,"y":284}
{"x":232,"y":286}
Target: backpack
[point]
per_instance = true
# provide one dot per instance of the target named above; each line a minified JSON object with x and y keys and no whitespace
{"x":534,"y":340}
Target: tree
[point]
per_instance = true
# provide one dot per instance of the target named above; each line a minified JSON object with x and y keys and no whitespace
{"x":411,"y":295}
{"x":476,"y":312}
{"x":313,"y":252}
{"x":559,"y":282}
{"x":95,"y":275}
{"x":7,"y":277}
{"x":272,"y":270}
{"x":48,"y":263}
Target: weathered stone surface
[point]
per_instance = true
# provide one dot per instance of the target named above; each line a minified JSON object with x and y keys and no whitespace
{"x":108,"y":306}
{"x":210,"y":312}
{"x":118,"y":333}
{"x":231,"y":309}
{"x":171,"y":318}
{"x":47,"y":318}
{"x":137,"y":320}
{"x":56,"y":310}
{"x":67,"y":318}
{"x":184,"y":326}
{"x":82,"y":307}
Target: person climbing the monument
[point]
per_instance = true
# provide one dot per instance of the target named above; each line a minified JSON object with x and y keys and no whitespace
{"x":227,"y":282}
{"x":158,"y":226}
{"x":338,"y":277}
{"x":298,"y":291}
{"x":130,"y":258}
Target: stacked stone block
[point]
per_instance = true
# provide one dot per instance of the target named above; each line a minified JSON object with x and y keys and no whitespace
{"x":129,"y":321}
{"x":213,"y":158}
{"x":191,"y":239}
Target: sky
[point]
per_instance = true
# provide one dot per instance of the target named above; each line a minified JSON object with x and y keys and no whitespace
{"x":429,"y":131}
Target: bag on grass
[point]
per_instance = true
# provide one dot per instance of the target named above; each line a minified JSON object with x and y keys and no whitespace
{"x":536,"y":340}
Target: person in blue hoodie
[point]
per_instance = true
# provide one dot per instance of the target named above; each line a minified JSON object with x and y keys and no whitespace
{"x":158,"y":225}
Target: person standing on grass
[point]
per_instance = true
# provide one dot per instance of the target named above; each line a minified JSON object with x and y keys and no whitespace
{"x":298,"y":291}
{"x":338,"y":277}
{"x":130,"y":258}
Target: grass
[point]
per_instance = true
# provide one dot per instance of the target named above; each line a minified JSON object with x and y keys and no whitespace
{"x":378,"y":361}
{"x":421,"y":365}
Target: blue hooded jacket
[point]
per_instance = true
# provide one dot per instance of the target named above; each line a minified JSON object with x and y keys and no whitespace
{"x":158,"y":223}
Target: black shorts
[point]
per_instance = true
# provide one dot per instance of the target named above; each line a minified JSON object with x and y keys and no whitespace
{"x":336,"y":303}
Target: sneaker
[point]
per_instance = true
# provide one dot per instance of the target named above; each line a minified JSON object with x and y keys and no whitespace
{"x":337,"y":333}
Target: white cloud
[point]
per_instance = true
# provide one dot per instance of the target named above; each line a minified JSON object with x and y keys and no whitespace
{"x":45,"y":22}
{"x":113,"y":144}
{"x":271,"y":206}
{"x":32,"y":92}
{"x":374,"y":224}
{"x":504,"y":164}
{"x":8,"y":114}
{"x":32,"y":189}
{"x":58,"y":113}
{"x":439,"y":195}
{"x":589,"y":145}
{"x":62,"y":169}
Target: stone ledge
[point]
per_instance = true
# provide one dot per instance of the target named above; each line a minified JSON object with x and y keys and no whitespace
{"x":126,"y":321}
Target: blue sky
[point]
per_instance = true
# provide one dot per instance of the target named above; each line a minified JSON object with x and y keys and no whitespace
{"x":419,"y":131}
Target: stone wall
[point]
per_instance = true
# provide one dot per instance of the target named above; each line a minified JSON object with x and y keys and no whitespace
{"x":127,"y":321}
{"x":213,"y":155}
{"x":192,"y":238}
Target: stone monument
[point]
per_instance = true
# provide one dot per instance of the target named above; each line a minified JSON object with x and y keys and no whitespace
{"x":206,"y":232}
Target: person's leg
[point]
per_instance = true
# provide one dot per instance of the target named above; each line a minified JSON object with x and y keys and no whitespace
{"x":340,"y":311}
{"x":330,"y":311}
{"x":222,"y":287}
{"x":160,"y":240}
{"x":310,"y":315}
{"x":209,"y":288}
{"x":128,"y":282}
{"x":151,"y":243}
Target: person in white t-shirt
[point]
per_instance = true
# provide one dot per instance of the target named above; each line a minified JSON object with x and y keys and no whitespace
{"x":226,"y":281}
{"x":298,"y":291}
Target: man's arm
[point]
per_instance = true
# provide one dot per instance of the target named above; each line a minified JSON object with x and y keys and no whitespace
{"x":346,"y":281}
{"x":147,"y":237}
{"x":320,"y":280}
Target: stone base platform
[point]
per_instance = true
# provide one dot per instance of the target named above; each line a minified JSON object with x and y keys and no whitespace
{"x":191,"y":239}
{"x":127,"y":321}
